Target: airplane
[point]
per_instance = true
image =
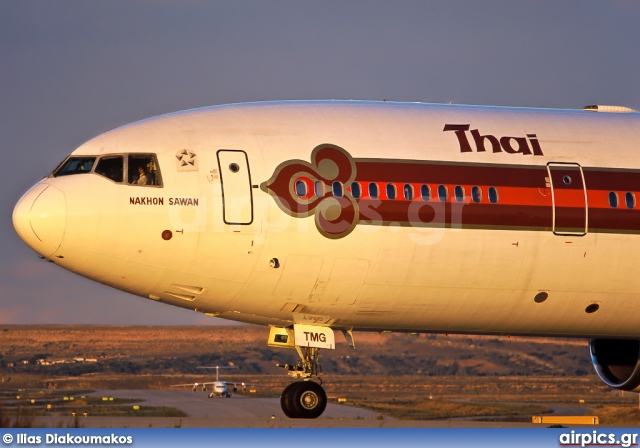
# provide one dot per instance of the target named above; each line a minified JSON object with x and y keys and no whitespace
{"x":220,"y":388}
{"x":315,"y":217}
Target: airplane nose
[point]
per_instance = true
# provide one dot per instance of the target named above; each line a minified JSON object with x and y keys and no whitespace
{"x":40,"y":218}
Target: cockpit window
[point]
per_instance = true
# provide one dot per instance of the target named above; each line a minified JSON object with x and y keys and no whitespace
{"x":143,"y":170}
{"x":111,"y":167}
{"x":140,"y":169}
{"x":75,"y":165}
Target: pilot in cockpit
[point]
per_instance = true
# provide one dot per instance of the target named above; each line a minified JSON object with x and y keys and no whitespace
{"x":142,"y":178}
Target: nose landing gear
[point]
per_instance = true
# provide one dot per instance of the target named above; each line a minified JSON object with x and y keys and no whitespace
{"x":306,"y":398}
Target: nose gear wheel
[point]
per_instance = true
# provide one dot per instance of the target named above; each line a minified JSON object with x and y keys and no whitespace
{"x":303,"y":399}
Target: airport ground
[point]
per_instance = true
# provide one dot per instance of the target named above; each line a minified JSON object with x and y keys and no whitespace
{"x":388,"y":381}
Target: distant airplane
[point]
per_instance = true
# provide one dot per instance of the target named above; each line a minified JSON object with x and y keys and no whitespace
{"x":220,"y":388}
{"x":320,"y":216}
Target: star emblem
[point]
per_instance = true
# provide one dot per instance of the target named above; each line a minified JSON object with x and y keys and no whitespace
{"x":186,"y":157}
{"x":186,"y":160}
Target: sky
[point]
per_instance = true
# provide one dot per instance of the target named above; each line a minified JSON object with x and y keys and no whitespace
{"x":70,"y":70}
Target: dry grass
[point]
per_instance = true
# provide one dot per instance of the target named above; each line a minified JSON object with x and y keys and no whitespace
{"x":19,"y":407}
{"x":442,"y":409}
{"x":619,"y":415}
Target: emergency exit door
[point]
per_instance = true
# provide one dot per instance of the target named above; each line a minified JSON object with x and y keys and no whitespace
{"x":235,"y":179}
{"x":569,"y":199}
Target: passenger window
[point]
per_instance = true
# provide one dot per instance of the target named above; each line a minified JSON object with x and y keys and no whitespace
{"x":337,"y":189}
{"x":356,"y":192}
{"x":74,"y":165}
{"x":391,"y":191}
{"x":630,"y":199}
{"x":373,"y":190}
{"x":408,"y":192}
{"x":111,"y":167}
{"x":476,"y":194}
{"x":613,"y":199}
{"x":459,"y":193}
{"x":425,"y":192}
{"x":493,"y":195}
{"x":319,"y":188}
{"x":301,"y":188}
{"x":442,"y":193}
{"x":143,"y":169}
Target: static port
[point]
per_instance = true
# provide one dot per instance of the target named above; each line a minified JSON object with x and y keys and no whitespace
{"x":592,"y":308}
{"x":274,"y":263}
{"x":541,"y":297}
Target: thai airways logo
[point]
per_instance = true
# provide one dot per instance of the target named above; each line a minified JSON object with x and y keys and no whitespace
{"x":482,"y":143}
{"x":303,"y":189}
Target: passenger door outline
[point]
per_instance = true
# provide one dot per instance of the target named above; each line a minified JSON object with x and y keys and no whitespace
{"x":235,"y":197}
{"x":567,"y":199}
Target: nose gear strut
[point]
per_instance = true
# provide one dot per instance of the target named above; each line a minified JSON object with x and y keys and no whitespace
{"x":308,"y":366}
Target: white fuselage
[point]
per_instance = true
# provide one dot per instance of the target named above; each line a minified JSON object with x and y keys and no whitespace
{"x":220,"y":388}
{"x":237,"y":252}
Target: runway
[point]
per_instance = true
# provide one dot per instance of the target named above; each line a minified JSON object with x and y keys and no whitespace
{"x":198,"y":405}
